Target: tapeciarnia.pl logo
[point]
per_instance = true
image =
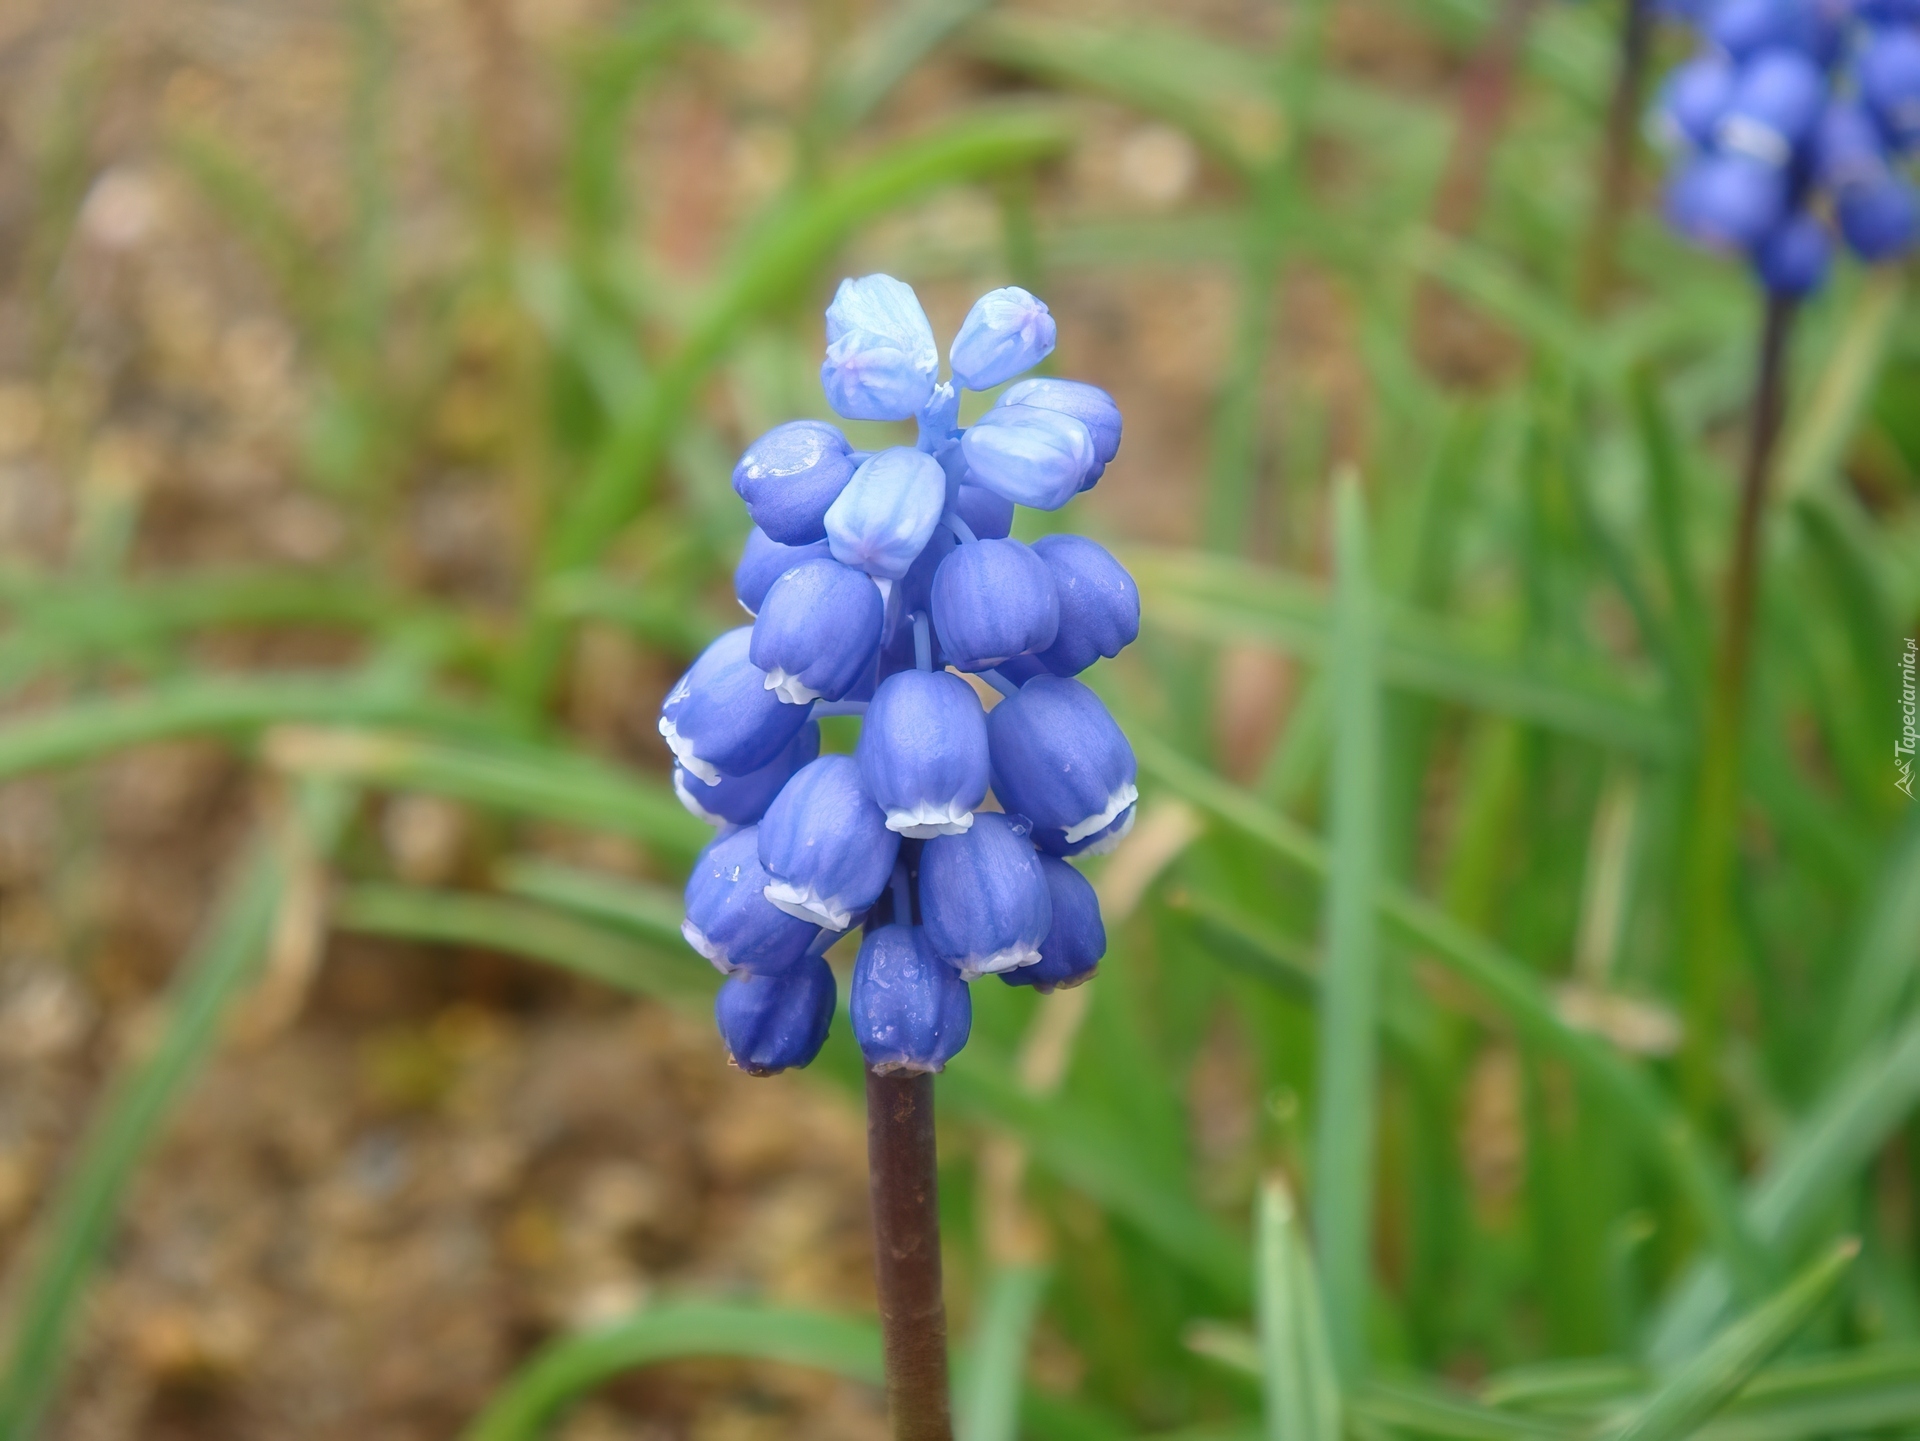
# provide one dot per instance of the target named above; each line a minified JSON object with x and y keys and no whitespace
{"x":1903,"y":747}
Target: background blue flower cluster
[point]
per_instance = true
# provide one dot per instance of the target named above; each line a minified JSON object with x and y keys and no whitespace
{"x":1796,"y":112}
{"x":873,"y":578}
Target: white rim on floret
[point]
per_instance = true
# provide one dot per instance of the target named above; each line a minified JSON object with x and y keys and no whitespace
{"x":697,"y":938}
{"x":790,"y":688}
{"x":682,"y":749}
{"x":692,"y":802}
{"x":927,"y":820}
{"x":992,"y":964}
{"x":906,"y":1067}
{"x":1116,"y":803}
{"x":1107,"y":842}
{"x":804,"y":903}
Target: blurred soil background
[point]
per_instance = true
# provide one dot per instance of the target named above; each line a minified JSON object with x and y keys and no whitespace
{"x":400,"y":1175}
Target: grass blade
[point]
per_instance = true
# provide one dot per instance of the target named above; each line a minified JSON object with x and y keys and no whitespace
{"x":1301,"y":1388}
{"x":1661,"y":1131}
{"x":525,"y":929}
{"x":1814,"y":450}
{"x":990,"y":1403}
{"x":218,"y":705}
{"x":653,"y":913}
{"x":1714,"y":1377}
{"x":1210,"y":597}
{"x":1349,"y":1001}
{"x":81,"y":1214}
{"x":1884,"y":962}
{"x":531,"y":779}
{"x":567,"y":1369}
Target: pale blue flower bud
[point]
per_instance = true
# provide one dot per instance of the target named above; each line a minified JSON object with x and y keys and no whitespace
{"x":720,"y":719}
{"x":911,"y":1011}
{"x":923,"y":753}
{"x":826,"y":845}
{"x":1879,"y":221}
{"x":988,"y":516}
{"x":789,"y":477}
{"x":817,"y":631}
{"x":1726,"y":202}
{"x":939,"y":418}
{"x":1077,"y":940}
{"x":1776,"y":103}
{"x":887,"y":513}
{"x":1006,"y":332}
{"x":1793,"y":260}
{"x":742,"y":800}
{"x":1889,"y":71}
{"x":983,"y":896}
{"x":881,"y":357}
{"x":1099,"y":603}
{"x":1088,"y":404}
{"x":765,"y":560}
{"x":993,"y":599}
{"x":1693,"y":99}
{"x":1028,"y":455}
{"x":729,"y":919}
{"x":776,"y":1023}
{"x":1059,"y":760}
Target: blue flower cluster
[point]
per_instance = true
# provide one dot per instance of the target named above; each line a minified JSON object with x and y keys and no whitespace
{"x":872,"y":579}
{"x":1794,"y":113}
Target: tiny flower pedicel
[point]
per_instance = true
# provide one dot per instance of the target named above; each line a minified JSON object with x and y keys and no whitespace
{"x":874,"y":580}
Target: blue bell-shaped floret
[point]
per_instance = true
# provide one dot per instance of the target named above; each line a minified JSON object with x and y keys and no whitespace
{"x":1099,"y":603}
{"x":1776,"y":105}
{"x":1888,"y":69}
{"x":729,"y":919}
{"x":765,"y":560}
{"x":988,"y":516}
{"x":887,"y":513}
{"x":1028,"y":455}
{"x":1888,"y":12}
{"x":720,"y":719}
{"x":1848,"y":148}
{"x":1059,"y":760}
{"x":1007,"y":331}
{"x":826,"y":845}
{"x":1745,"y":28}
{"x":817,"y":631}
{"x":911,"y":1011}
{"x":983,"y":896}
{"x":1726,"y":202}
{"x":742,"y":800}
{"x":993,"y":599}
{"x":923,"y":753}
{"x":1793,"y":260}
{"x":1072,"y":950}
{"x":1088,"y":404}
{"x":881,"y":357}
{"x":1878,"y":220}
{"x":776,"y":1023}
{"x":1693,"y":99}
{"x":789,"y":477}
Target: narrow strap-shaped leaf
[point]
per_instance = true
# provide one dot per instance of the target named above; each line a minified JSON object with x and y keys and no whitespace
{"x":1662,"y":1132}
{"x":650,"y":912}
{"x":568,"y":1368}
{"x":529,"y":779}
{"x":80,"y":1216}
{"x":1815,"y":446}
{"x":1714,"y":1377}
{"x":1349,"y":987}
{"x":1298,"y":1381}
{"x":989,"y":1400}
{"x":217,"y":705}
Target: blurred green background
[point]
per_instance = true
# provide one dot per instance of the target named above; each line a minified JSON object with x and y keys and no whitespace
{"x":370,"y":378}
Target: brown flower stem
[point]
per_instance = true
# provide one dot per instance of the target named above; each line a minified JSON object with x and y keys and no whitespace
{"x":1613,"y":194}
{"x":901,"y":1163}
{"x":1706,"y":918}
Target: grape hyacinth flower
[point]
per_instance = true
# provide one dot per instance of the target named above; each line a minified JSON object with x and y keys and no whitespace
{"x":1791,"y":127}
{"x":888,"y":585}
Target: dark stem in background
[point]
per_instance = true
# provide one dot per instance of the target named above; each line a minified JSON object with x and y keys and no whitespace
{"x":906,"y":1254}
{"x":1613,"y":193}
{"x":1706,"y":930}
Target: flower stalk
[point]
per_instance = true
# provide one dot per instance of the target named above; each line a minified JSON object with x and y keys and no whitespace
{"x":903,"y":1174}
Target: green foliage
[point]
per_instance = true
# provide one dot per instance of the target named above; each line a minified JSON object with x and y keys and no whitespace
{"x":1418,"y":961}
